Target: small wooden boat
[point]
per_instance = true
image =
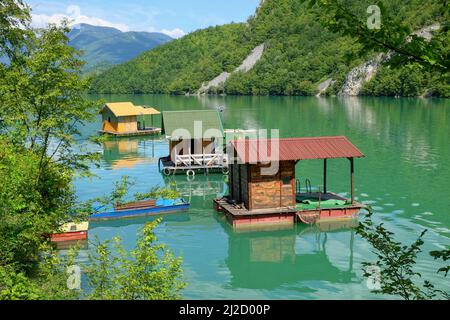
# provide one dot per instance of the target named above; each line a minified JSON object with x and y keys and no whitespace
{"x":141,"y":209}
{"x":71,"y":232}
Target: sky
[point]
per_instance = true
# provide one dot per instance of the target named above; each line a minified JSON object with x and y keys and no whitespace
{"x":173,"y":17}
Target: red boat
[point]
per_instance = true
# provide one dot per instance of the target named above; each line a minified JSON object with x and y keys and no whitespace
{"x":71,"y":232}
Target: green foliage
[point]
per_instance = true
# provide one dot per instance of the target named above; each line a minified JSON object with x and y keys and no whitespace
{"x":158,"y":192}
{"x":305,"y":45}
{"x":29,"y":210}
{"x":14,"y":20}
{"x":408,"y":81}
{"x":396,"y":32}
{"x":49,"y":281}
{"x":149,"y":272}
{"x":16,"y":286}
{"x":179,"y":66}
{"x":42,"y":102}
{"x":417,"y":65}
{"x":396,"y":262}
{"x":42,"y":106}
{"x":444,"y":255}
{"x":118,"y":197}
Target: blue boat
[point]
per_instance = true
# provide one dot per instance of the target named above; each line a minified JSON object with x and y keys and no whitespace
{"x":142,"y":209}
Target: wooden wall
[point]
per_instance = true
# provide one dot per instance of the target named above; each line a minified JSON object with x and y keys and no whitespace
{"x":127,"y":124}
{"x":109,"y":125}
{"x":119,"y":125}
{"x":256,"y":191}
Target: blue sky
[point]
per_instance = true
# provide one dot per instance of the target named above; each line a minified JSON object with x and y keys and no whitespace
{"x":174,"y":17}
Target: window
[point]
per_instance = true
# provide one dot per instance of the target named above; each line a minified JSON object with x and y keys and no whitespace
{"x":286,"y":181}
{"x":109,"y":119}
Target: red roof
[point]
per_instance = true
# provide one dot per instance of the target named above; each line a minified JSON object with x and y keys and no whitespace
{"x":260,"y":150}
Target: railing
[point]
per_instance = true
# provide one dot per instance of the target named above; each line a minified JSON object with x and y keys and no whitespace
{"x":201,"y":160}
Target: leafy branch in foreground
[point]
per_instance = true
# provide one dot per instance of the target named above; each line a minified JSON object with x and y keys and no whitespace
{"x":444,"y":255}
{"x":149,"y":272}
{"x":158,"y":192}
{"x":394,"y":33}
{"x":118,"y":196}
{"x":396,"y":262}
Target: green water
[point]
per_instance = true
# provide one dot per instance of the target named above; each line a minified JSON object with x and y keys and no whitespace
{"x":405,"y":177}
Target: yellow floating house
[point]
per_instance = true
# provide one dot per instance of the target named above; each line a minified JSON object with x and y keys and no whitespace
{"x":126,"y":119}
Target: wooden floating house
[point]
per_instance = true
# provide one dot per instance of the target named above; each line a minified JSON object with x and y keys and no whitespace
{"x":126,"y":119}
{"x":258,"y":199}
{"x":195,"y":142}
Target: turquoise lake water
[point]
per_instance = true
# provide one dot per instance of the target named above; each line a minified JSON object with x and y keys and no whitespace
{"x":405,"y":177}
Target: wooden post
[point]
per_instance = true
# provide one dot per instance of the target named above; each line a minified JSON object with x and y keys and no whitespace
{"x":352,"y":178}
{"x":325,"y":164}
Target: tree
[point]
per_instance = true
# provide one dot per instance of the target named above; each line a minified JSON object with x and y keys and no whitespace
{"x":42,"y":100}
{"x":394,"y":34}
{"x":42,"y":106}
{"x":149,"y":272}
{"x":14,"y":23}
{"x":28,"y":211}
{"x":396,"y":263}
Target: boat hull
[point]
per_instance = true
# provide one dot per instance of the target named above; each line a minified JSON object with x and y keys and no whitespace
{"x":141,"y":212}
{"x":69,"y":236}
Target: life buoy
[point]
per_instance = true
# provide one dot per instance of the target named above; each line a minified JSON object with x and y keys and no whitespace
{"x":190,"y":173}
{"x":225,"y":170}
{"x":167,"y":171}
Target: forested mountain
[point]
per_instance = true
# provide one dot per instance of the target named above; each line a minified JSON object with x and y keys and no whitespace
{"x":104,"y":46}
{"x":300,"y":54}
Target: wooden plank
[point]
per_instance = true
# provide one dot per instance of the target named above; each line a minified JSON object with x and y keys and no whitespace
{"x":135,"y":205}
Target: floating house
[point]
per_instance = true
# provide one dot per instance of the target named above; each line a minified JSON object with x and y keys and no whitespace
{"x":261,"y":196}
{"x":126,"y":119}
{"x":195,"y":142}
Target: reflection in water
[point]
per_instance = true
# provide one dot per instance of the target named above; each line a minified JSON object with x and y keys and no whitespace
{"x":121,"y":153}
{"x":166,"y":218}
{"x":200,"y":188}
{"x":270,"y":259}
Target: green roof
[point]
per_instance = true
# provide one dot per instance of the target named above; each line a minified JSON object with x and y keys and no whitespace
{"x":180,"y":124}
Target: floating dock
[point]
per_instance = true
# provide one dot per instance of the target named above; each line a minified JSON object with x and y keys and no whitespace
{"x":264,"y":190}
{"x":124,"y":119}
{"x":241,"y":218}
{"x":144,"y":132}
{"x":195,"y":142}
{"x":202,"y":164}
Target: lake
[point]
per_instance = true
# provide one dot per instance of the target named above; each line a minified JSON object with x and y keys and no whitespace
{"x":405,"y":177}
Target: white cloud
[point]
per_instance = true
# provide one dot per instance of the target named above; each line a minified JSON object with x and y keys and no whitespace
{"x":174,"y":33}
{"x":42,"y":20}
{"x":74,"y":16}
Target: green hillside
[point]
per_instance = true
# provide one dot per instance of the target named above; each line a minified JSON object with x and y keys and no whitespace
{"x":300,"y":54}
{"x":104,"y":46}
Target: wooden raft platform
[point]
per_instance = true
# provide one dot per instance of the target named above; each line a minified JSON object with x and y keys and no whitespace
{"x":239,"y":217}
{"x":147,"y":132}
